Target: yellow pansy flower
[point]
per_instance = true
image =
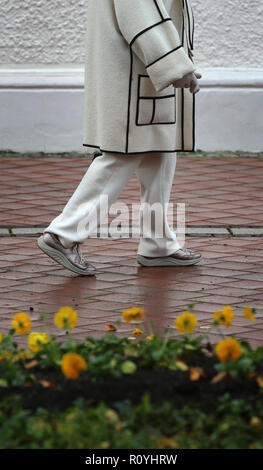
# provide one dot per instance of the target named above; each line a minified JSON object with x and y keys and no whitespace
{"x":225,"y":317}
{"x":248,"y":313}
{"x":228,"y":350}
{"x":186,"y":322}
{"x":1,"y":337}
{"x":21,"y":323}
{"x":133,"y":313}
{"x":150,"y":337}
{"x":5,"y":356}
{"x":137,"y":331}
{"x":66,"y":318}
{"x":36,"y":341}
{"x":22,"y":355}
{"x":72,"y":364}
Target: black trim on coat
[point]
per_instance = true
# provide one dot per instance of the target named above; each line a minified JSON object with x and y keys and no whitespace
{"x":182,"y":94}
{"x":153,"y":112}
{"x":189,"y":27}
{"x":158,"y":8}
{"x":136,"y":153}
{"x":129,"y":100}
{"x":164,"y":55}
{"x":147,"y":29}
{"x":153,"y":98}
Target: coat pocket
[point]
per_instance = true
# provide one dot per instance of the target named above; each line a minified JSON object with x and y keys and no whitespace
{"x":154,"y":107}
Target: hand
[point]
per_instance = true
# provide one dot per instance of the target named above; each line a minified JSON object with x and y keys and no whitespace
{"x":189,"y":81}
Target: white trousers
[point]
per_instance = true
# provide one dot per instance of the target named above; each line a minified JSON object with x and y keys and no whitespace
{"x":107,"y":175}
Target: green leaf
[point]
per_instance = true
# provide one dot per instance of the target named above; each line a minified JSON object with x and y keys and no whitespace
{"x":128,"y":367}
{"x":3,"y":383}
{"x":156,"y":355}
{"x":190,"y":347}
{"x":113,"y":363}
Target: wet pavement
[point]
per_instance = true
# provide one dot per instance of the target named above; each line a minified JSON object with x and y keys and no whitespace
{"x":224,"y":221}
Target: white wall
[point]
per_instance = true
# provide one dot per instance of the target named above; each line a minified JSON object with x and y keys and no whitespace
{"x":228,"y":33}
{"x":41,"y":74}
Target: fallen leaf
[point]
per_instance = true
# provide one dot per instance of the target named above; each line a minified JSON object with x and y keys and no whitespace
{"x":47,"y":384}
{"x":260,"y":380}
{"x":254,"y":421}
{"x":31,"y":364}
{"x":250,"y":374}
{"x":219,"y":377}
{"x":181,"y":365}
{"x":110,"y":327}
{"x":196,"y":373}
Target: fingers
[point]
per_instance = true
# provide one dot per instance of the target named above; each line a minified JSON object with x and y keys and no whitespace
{"x":196,"y":90}
{"x":194,"y":87}
{"x":189,"y":81}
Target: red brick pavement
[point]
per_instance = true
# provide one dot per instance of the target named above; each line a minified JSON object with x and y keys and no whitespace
{"x":217,"y":191}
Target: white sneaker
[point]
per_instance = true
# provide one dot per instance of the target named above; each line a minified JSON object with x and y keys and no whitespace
{"x":71,"y":258}
{"x":182,"y":257}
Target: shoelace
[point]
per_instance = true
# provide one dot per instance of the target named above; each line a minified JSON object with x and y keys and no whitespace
{"x":187,"y":251}
{"x":77,"y":250}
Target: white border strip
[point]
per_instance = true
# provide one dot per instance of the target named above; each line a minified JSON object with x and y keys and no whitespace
{"x":73,"y":77}
{"x":41,"y":109}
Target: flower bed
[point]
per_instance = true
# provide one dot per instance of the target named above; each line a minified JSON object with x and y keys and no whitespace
{"x":142,"y":391}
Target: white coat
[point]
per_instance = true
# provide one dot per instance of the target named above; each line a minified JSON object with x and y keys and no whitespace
{"x":135,"y":50}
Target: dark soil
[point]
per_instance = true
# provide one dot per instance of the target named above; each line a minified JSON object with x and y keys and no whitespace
{"x":162,"y":385}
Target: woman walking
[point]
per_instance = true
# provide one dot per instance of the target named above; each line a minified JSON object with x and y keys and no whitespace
{"x":140,"y":86}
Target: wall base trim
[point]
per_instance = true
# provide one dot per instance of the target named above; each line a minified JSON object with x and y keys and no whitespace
{"x":41,"y":109}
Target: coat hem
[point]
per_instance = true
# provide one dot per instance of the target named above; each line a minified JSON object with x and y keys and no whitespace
{"x":133,"y":153}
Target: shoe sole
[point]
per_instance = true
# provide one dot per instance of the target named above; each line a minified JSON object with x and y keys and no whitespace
{"x":168,"y":262}
{"x":60,"y":258}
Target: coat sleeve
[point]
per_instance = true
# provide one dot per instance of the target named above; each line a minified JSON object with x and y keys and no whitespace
{"x":153,"y":37}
